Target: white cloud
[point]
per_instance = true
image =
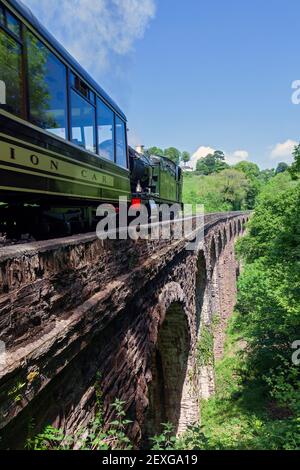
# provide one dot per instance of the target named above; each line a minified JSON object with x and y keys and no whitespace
{"x":95,"y":31}
{"x":237,"y":156}
{"x":201,"y":152}
{"x":231,"y":158}
{"x":283,"y":151}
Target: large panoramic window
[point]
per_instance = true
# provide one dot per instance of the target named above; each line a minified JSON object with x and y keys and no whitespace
{"x":121,"y":143}
{"x":83,"y":122}
{"x":105,"y":123}
{"x":47,"y":88}
{"x":10,"y":73}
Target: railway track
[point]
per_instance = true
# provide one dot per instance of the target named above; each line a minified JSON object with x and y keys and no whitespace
{"x":27,"y":243}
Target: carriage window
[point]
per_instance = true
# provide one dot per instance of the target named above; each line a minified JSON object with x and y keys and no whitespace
{"x":13,"y":24}
{"x":82,"y":122}
{"x":82,"y":88}
{"x":2,"y":18}
{"x":105,"y":123}
{"x":121,"y":143}
{"x":10,"y":74}
{"x":47,"y":78}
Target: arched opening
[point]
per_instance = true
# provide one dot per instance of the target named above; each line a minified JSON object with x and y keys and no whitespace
{"x":224,"y":237}
{"x":215,"y":302}
{"x":239,"y":227}
{"x":168,"y":391}
{"x":230,"y":231}
{"x":220,"y":243}
{"x":213,"y":254}
{"x":202,"y":308}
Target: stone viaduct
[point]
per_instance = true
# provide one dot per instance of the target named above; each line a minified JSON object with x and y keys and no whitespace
{"x":80,"y":315}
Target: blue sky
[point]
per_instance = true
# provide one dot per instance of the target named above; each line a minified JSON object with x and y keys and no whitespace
{"x":192,"y":74}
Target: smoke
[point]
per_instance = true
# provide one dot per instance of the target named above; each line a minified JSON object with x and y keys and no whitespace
{"x":95,"y":32}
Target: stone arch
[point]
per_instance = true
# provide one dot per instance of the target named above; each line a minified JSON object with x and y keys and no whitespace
{"x":212,"y":255}
{"x":224,"y":237}
{"x":213,"y":278}
{"x":230,"y":230}
{"x":239,"y":227}
{"x":220,"y":242}
{"x":170,"y":391}
{"x":234,"y":228}
{"x":201,"y":295}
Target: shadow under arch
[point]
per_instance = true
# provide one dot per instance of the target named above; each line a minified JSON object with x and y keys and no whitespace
{"x":224,"y":237}
{"x":201,"y":291}
{"x":220,"y":242}
{"x":235,"y":228}
{"x":169,"y":366}
{"x":213,"y":278}
{"x":212,"y":252}
{"x":230,"y":231}
{"x":239,"y":227}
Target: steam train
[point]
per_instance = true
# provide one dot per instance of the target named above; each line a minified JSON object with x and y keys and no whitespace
{"x":63,"y":140}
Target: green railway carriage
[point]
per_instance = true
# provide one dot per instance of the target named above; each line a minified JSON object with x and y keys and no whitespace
{"x":60,"y":134}
{"x":63,"y":140}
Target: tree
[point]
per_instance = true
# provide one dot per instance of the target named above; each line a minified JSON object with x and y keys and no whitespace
{"x":212,"y":163}
{"x":206,"y":165}
{"x":269,"y":295}
{"x":155,"y":151}
{"x":250,"y":169}
{"x":234,"y":187}
{"x":185,"y":157}
{"x":295,"y":168}
{"x":281,"y":167}
{"x":173,"y":154}
{"x":266,"y":175}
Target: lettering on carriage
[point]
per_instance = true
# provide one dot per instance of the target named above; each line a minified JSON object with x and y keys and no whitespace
{"x":53,"y":165}
{"x":98,"y":178}
{"x":34,"y":159}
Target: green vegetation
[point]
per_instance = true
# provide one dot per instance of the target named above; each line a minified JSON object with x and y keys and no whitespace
{"x":242,"y":415}
{"x":94,"y":436}
{"x":257,"y":401}
{"x":223,"y":188}
{"x":172,"y":153}
{"x":220,"y":192}
{"x":166,"y":440}
{"x":212,"y":163}
{"x":205,"y":347}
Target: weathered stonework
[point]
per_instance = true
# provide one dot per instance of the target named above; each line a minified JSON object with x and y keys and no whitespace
{"x":129,"y":310}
